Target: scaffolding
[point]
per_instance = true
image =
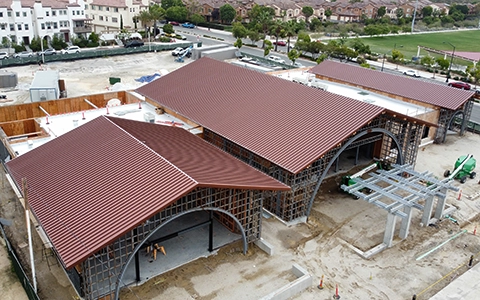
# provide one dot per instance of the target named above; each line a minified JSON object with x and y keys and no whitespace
{"x":296,"y":203}
{"x":451,"y":120}
{"x":99,"y":276}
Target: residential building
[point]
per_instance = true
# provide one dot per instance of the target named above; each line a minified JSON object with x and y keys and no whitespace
{"x":111,"y":15}
{"x":22,"y":20}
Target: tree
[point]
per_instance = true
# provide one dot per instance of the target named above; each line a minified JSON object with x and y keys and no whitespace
{"x":166,"y":4}
{"x":145,"y":18}
{"x":359,"y":46}
{"x":121,"y":22}
{"x":315,"y":24}
{"x":227,"y":13}
{"x":307,"y":12}
{"x":328,"y":13}
{"x":396,"y":55}
{"x":428,"y":61}
{"x":261,"y":17}
{"x":399,"y":13}
{"x":194,"y":7}
{"x":276,"y":29}
{"x":382,"y":10}
{"x":474,"y":72}
{"x":157,"y":13}
{"x":135,"y":21}
{"x":443,"y":63}
{"x":427,"y":11}
{"x":254,"y":36}
{"x":321,"y":58}
{"x":293,"y":55}
{"x":177,"y":13}
{"x":197,"y":18}
{"x":291,"y":29}
{"x":371,"y":30}
{"x":239,"y":31}
{"x":267,"y":48}
{"x":238,"y":43}
{"x":168,"y":28}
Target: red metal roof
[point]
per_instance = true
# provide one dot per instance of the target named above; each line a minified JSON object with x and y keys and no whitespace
{"x":91,"y":185}
{"x":284,"y":122}
{"x":419,"y":90}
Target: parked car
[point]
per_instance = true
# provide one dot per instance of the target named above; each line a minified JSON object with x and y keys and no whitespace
{"x":460,"y":85}
{"x":188,"y":25}
{"x":297,"y":65}
{"x":3,"y":55}
{"x":22,"y":54}
{"x":174,"y":23}
{"x":176,"y":51}
{"x":180,"y":36}
{"x":412,"y":73}
{"x":70,"y":50}
{"x":280,"y":43}
{"x":170,"y":34}
{"x":134,"y":43}
{"x":276,"y":59}
{"x":46,"y":52}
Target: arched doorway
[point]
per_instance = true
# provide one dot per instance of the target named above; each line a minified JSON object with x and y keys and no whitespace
{"x":400,"y":159}
{"x":164,"y":231}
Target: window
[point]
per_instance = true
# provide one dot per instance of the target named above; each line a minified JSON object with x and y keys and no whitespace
{"x":100,"y":18}
{"x":49,"y":25}
{"x":55,"y":26}
{"x":54,"y":13}
{"x":106,"y":19}
{"x":47,"y":13}
{"x":24,"y":13}
{"x":114,"y":20}
{"x":2,"y":26}
{"x":26,"y":26}
{"x":107,"y":8}
{"x":82,"y":12}
{"x":12,"y":27}
{"x":115,"y":9}
{"x":17,"y":14}
{"x":43,"y":26}
{"x":78,"y":12}
{"x":1,"y":14}
{"x":86,"y":6}
{"x":100,"y":8}
{"x":19,"y":26}
{"x":93,"y":7}
{"x":9,"y":13}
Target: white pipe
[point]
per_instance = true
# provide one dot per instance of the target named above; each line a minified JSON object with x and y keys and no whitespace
{"x":41,"y":108}
{"x":29,"y":232}
{"x":93,"y":105}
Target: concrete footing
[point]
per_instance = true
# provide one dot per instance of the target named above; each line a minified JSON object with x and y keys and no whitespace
{"x":264,"y":246}
{"x":295,"y":287}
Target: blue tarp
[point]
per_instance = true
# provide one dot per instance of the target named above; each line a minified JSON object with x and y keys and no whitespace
{"x":148,"y":78}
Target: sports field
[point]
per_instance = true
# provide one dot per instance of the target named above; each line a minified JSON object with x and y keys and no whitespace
{"x":464,"y":40}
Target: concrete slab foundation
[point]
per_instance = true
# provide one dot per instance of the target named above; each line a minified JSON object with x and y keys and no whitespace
{"x":265,"y":246}
{"x":295,"y":287}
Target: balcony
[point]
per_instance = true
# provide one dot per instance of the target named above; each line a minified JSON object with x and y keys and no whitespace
{"x":82,"y":29}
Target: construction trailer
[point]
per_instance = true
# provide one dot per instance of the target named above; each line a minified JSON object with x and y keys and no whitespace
{"x":286,"y":130}
{"x":45,"y":86}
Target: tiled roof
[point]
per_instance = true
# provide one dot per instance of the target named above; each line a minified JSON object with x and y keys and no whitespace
{"x":284,"y":122}
{"x":56,"y":4}
{"x":419,"y":90}
{"x":113,"y":174}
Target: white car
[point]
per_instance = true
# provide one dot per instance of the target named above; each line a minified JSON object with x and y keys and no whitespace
{"x":22,"y":54}
{"x":3,"y":55}
{"x":276,"y":59}
{"x":297,"y":65}
{"x":71,"y":50}
{"x":411,"y":73}
{"x":177,"y":51}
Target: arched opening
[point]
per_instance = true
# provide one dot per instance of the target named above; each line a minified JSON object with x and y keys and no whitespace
{"x":456,"y":124}
{"x":334,"y":159}
{"x":185,"y":237}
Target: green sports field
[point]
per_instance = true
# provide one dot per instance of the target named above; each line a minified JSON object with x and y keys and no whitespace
{"x":465,"y":40}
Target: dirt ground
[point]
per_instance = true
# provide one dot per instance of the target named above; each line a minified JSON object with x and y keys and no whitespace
{"x":322,"y":245}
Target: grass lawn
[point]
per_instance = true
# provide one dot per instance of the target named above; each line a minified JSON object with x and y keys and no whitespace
{"x":465,"y":40}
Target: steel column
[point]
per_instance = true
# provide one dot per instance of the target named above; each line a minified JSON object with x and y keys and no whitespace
{"x":405,"y":226}
{"x":389,"y":230}
{"x":427,"y":210}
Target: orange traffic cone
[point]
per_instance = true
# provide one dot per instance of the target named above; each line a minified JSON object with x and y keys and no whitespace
{"x":336,"y":296}
{"x":459,"y":195}
{"x":475,"y":230}
{"x":320,"y":286}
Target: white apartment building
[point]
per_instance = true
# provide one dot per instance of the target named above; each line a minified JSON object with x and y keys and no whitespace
{"x":22,"y":20}
{"x":107,"y":15}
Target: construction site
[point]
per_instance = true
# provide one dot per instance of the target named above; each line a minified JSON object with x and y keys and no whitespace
{"x":304,"y":201}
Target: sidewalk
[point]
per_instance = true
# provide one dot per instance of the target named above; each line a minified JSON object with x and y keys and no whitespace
{"x":467,"y":286}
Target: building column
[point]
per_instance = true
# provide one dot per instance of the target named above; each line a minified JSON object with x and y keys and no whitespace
{"x":405,"y":226}
{"x":441,"y":205}
{"x":427,"y":211}
{"x":389,"y":230}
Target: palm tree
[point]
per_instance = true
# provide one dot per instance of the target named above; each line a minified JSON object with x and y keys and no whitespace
{"x":291,"y":30}
{"x":156,"y":13}
{"x":276,"y":29}
{"x":265,"y":20}
{"x":145,"y":18}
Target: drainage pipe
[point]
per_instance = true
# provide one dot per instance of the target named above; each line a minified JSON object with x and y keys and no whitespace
{"x":432,"y":250}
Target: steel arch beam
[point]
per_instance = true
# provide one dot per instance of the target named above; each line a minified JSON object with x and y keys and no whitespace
{"x":459,"y":112}
{"x":137,"y":248}
{"x":353,"y":139}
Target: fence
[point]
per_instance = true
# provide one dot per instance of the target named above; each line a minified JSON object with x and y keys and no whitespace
{"x":22,"y":276}
{"x":92,"y":53}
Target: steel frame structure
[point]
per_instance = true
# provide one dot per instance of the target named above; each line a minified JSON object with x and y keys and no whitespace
{"x":101,"y":274}
{"x":297,"y":203}
{"x":448,"y":117}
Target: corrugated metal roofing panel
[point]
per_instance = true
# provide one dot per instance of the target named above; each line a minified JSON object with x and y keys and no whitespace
{"x":284,"y":122}
{"x":423,"y":91}
{"x":93,"y":184}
